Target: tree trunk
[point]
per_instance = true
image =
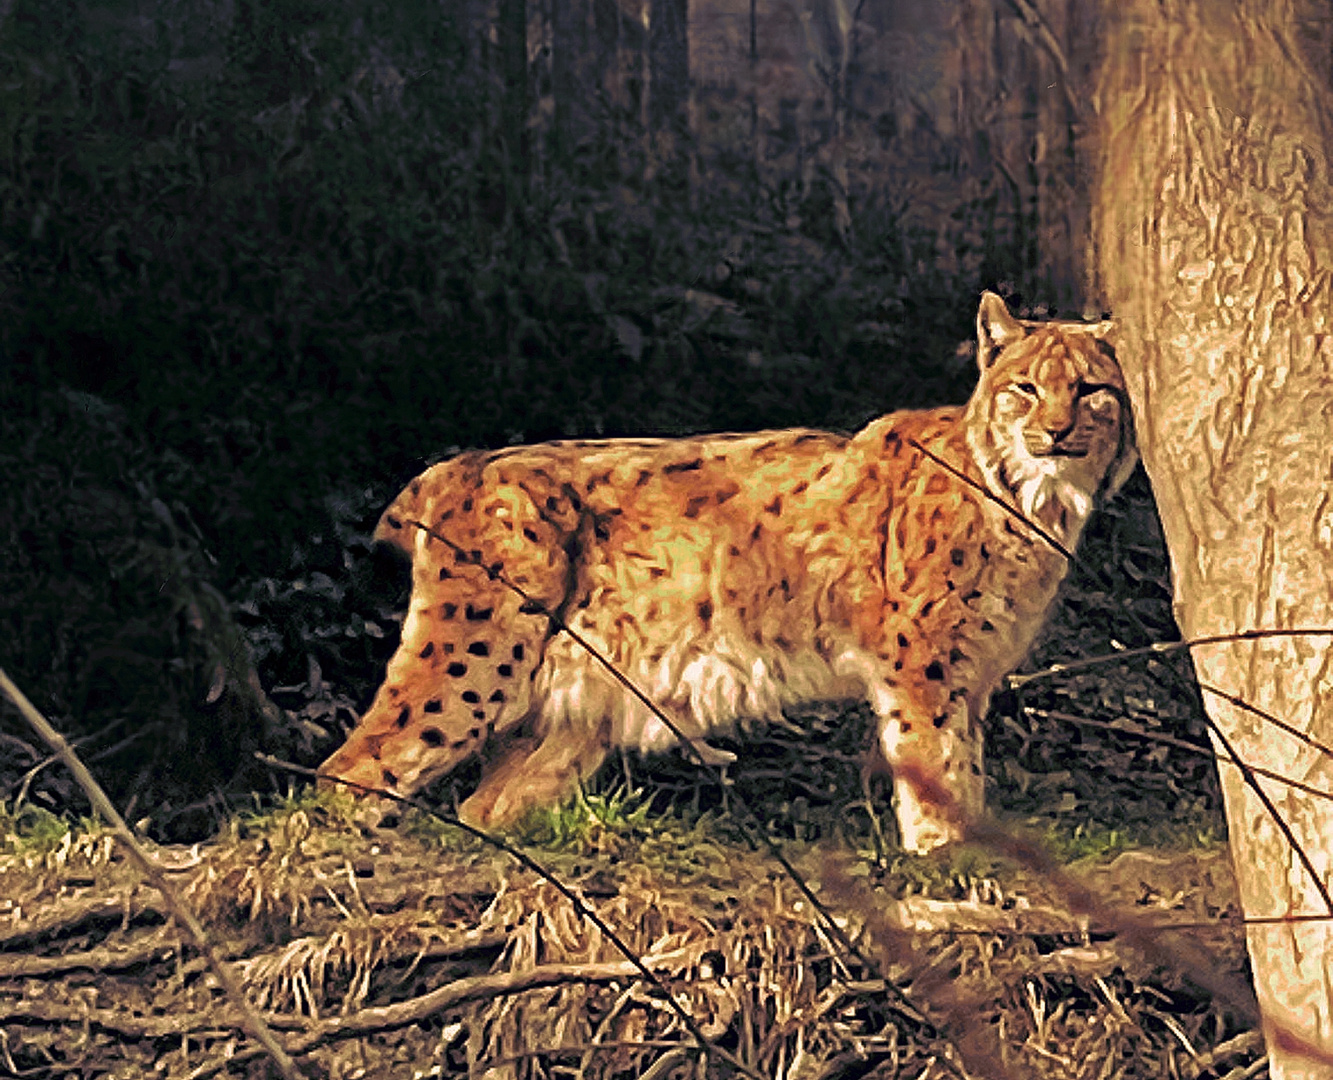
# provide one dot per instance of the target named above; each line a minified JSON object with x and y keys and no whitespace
{"x":1213,"y":247}
{"x":512,"y":31}
{"x":669,"y":90}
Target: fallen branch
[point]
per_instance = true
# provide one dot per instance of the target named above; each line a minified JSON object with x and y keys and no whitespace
{"x":106,"y":958}
{"x":460,"y":992}
{"x":253,"y":1023}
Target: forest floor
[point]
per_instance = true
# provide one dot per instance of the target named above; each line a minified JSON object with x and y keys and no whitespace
{"x":423,"y":952}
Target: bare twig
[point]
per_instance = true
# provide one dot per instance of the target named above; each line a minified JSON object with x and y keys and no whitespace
{"x":460,"y":992}
{"x":984,"y":490}
{"x":1179,"y":744}
{"x":1158,"y":647}
{"x":251,"y":1020}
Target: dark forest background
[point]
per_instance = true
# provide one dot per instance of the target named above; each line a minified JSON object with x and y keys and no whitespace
{"x":261,"y":261}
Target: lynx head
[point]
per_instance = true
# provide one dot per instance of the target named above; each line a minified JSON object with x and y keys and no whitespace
{"x":1049,"y":421}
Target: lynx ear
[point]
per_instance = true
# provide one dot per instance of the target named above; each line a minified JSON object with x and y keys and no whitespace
{"x":996,"y":328}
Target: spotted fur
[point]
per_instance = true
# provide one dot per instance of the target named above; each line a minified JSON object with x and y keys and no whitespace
{"x":735,"y":575}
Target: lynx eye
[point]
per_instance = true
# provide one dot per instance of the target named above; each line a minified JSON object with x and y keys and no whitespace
{"x":1026,"y":388}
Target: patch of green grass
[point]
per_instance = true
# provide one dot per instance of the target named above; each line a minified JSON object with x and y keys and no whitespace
{"x":1088,"y":840}
{"x":31,"y":829}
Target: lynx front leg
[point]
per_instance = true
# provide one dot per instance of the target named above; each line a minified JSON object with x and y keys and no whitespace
{"x":938,"y":781}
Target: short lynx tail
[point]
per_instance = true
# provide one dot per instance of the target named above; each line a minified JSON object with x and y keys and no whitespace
{"x":412,"y":504}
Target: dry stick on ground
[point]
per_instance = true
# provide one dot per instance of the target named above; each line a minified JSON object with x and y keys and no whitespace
{"x":583,"y":910}
{"x":250,"y":1018}
{"x":64,"y":917}
{"x":104,"y":958}
{"x":307,"y":1034}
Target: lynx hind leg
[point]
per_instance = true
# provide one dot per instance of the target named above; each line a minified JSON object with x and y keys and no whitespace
{"x":532,"y":775}
{"x":470,"y":644}
{"x":938,"y":779}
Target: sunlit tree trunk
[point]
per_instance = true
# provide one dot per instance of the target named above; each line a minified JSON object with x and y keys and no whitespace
{"x":1213,"y":247}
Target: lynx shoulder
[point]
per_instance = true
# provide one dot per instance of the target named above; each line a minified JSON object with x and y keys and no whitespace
{"x":731,"y":576}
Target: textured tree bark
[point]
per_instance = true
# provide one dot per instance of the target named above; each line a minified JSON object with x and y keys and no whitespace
{"x":1213,"y":246}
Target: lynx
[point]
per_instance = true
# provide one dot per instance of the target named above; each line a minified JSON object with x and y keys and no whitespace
{"x":731,"y":576}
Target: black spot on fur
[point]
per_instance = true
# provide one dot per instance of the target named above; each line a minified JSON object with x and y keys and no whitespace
{"x":432,"y":736}
{"x":389,"y":779}
{"x":445,"y":575}
{"x":467,"y":504}
{"x":955,"y":654}
{"x":471,"y":697}
{"x":505,"y":671}
{"x":775,"y":507}
{"x":456,"y":669}
{"x":684,"y":466}
{"x":497,"y":697}
{"x":434,"y":705}
{"x":474,"y":614}
{"x":532,"y":607}
{"x":530,"y":533}
{"x":706,"y":612}
{"x":518,"y":651}
{"x":935,"y":671}
{"x":987,"y":627}
{"x":478,"y":714}
{"x":428,"y":651}
{"x":479,"y":648}
{"x":903,"y":643}
{"x":448,"y":611}
{"x":941,"y":720}
{"x":404,"y":715}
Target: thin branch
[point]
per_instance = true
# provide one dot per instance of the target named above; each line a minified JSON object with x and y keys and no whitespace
{"x":1179,"y":744}
{"x":1248,"y":773}
{"x":104,"y":958}
{"x":252,"y":1021}
{"x":475,"y":988}
{"x":984,"y":490}
{"x":1158,"y":647}
{"x":1294,"y":732}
